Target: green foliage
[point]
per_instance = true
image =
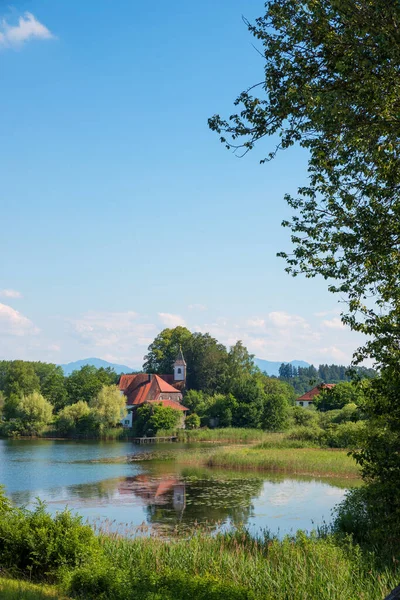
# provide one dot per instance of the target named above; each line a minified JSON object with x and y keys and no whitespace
{"x":275,"y":415}
{"x":86,"y":383}
{"x":18,"y":378}
{"x":52,"y":384}
{"x":342,"y":394}
{"x":33,"y":413}
{"x":192,"y":421}
{"x":152,"y":417}
{"x":163,"y":351}
{"x":75,"y":419}
{"x":300,"y":416}
{"x":109,"y":406}
{"x":37,"y":545}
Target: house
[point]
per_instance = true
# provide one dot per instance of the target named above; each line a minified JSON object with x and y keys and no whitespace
{"x":141,"y":388}
{"x":307,"y":399}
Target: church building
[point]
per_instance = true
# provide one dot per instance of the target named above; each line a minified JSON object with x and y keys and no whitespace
{"x":140,"y":388}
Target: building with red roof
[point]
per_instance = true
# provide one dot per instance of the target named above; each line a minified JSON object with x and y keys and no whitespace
{"x":307,"y":399}
{"x":141,"y":388}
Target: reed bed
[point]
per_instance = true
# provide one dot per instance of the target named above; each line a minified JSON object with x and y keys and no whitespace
{"x":235,"y":566}
{"x":223,"y":435}
{"x":300,"y":461}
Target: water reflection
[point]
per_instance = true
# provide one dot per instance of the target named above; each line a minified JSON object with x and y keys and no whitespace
{"x":161,"y":496}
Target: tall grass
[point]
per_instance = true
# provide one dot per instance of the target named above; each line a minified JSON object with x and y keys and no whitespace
{"x":225,"y":435}
{"x":233,"y":567}
{"x":11,"y":589}
{"x":300,"y":461}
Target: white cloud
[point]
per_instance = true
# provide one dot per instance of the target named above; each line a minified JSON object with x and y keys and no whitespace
{"x":28,"y":28}
{"x":13,"y":322}
{"x":201,"y":307}
{"x":108,"y":329}
{"x":336,"y":354}
{"x":10,"y":294}
{"x":171,"y":320}
{"x":335,"y":323}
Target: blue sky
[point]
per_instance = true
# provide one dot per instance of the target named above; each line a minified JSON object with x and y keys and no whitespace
{"x":121,"y":212}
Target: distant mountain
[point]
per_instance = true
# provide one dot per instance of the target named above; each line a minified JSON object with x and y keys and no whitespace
{"x":272,"y":368}
{"x":95,"y":362}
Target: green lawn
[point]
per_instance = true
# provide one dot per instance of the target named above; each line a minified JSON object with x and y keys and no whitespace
{"x":10,"y":589}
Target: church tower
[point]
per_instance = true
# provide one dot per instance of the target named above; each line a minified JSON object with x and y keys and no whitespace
{"x":180,"y":367}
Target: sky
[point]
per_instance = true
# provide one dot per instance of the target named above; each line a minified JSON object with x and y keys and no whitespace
{"x":121,"y":212}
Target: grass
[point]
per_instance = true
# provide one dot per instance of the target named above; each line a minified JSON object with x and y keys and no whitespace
{"x":10,"y":589}
{"x":315,"y":462}
{"x":300,"y":461}
{"x":226,"y":435}
{"x":236,"y":567}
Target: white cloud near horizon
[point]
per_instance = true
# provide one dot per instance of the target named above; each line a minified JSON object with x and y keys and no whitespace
{"x":12,"y":322}
{"x":170,"y":320}
{"x":10,"y":294}
{"x":28,"y":28}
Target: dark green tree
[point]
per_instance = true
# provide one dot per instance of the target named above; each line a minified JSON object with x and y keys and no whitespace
{"x":52,"y":383}
{"x":86,"y":383}
{"x":343,"y":393}
{"x":163,"y":351}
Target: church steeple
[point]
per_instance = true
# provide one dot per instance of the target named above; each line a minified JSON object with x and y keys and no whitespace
{"x":180,"y":367}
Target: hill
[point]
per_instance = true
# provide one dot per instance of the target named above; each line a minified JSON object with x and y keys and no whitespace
{"x":272,"y":367}
{"x":95,"y":362}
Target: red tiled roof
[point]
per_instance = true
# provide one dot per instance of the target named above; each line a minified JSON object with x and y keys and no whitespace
{"x":142,"y":387}
{"x":171,"y":404}
{"x":125,"y":381}
{"x":164,"y":386}
{"x":310,"y":395}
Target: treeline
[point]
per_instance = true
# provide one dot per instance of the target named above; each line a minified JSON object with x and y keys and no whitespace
{"x":303,"y":378}
{"x":36,"y":397}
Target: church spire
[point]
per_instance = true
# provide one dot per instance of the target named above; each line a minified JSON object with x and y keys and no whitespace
{"x":180,"y":367}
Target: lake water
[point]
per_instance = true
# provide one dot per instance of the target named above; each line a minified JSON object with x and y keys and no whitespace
{"x":145,"y":497}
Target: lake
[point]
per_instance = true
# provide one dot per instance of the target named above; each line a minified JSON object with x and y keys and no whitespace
{"x":157,"y":497}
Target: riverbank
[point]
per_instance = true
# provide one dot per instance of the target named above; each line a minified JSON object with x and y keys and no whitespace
{"x":314,"y":462}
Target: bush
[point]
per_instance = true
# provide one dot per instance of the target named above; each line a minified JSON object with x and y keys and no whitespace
{"x":301,"y":416}
{"x":311,"y":434}
{"x":346,"y":435}
{"x":192,"y":421}
{"x":37,"y":545}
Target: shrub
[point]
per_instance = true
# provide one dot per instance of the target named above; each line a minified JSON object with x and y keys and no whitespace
{"x":37,"y":545}
{"x":311,"y":434}
{"x":300,"y":416}
{"x":192,"y":421}
{"x":345,"y":435}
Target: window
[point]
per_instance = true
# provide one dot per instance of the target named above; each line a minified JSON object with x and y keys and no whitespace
{"x":301,"y":403}
{"x":179,"y":370}
{"x":126,"y":421}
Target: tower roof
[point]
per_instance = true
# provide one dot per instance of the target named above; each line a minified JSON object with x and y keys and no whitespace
{"x":180,"y":359}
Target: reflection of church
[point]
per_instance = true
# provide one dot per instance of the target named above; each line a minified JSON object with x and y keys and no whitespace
{"x":155,"y":491}
{"x":141,"y":388}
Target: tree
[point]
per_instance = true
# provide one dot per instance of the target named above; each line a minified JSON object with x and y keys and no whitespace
{"x":192,"y":421}
{"x":330,"y":83}
{"x":34,"y":413}
{"x":109,"y":405}
{"x":275,"y":414}
{"x":19,"y":378}
{"x":250,"y":396}
{"x":52,"y":383}
{"x":74,"y":418}
{"x":163,"y":351}
{"x":206,"y":363}
{"x":151,"y":417}
{"x":86,"y":383}
{"x":339,"y":396}
{"x":223,"y":409}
